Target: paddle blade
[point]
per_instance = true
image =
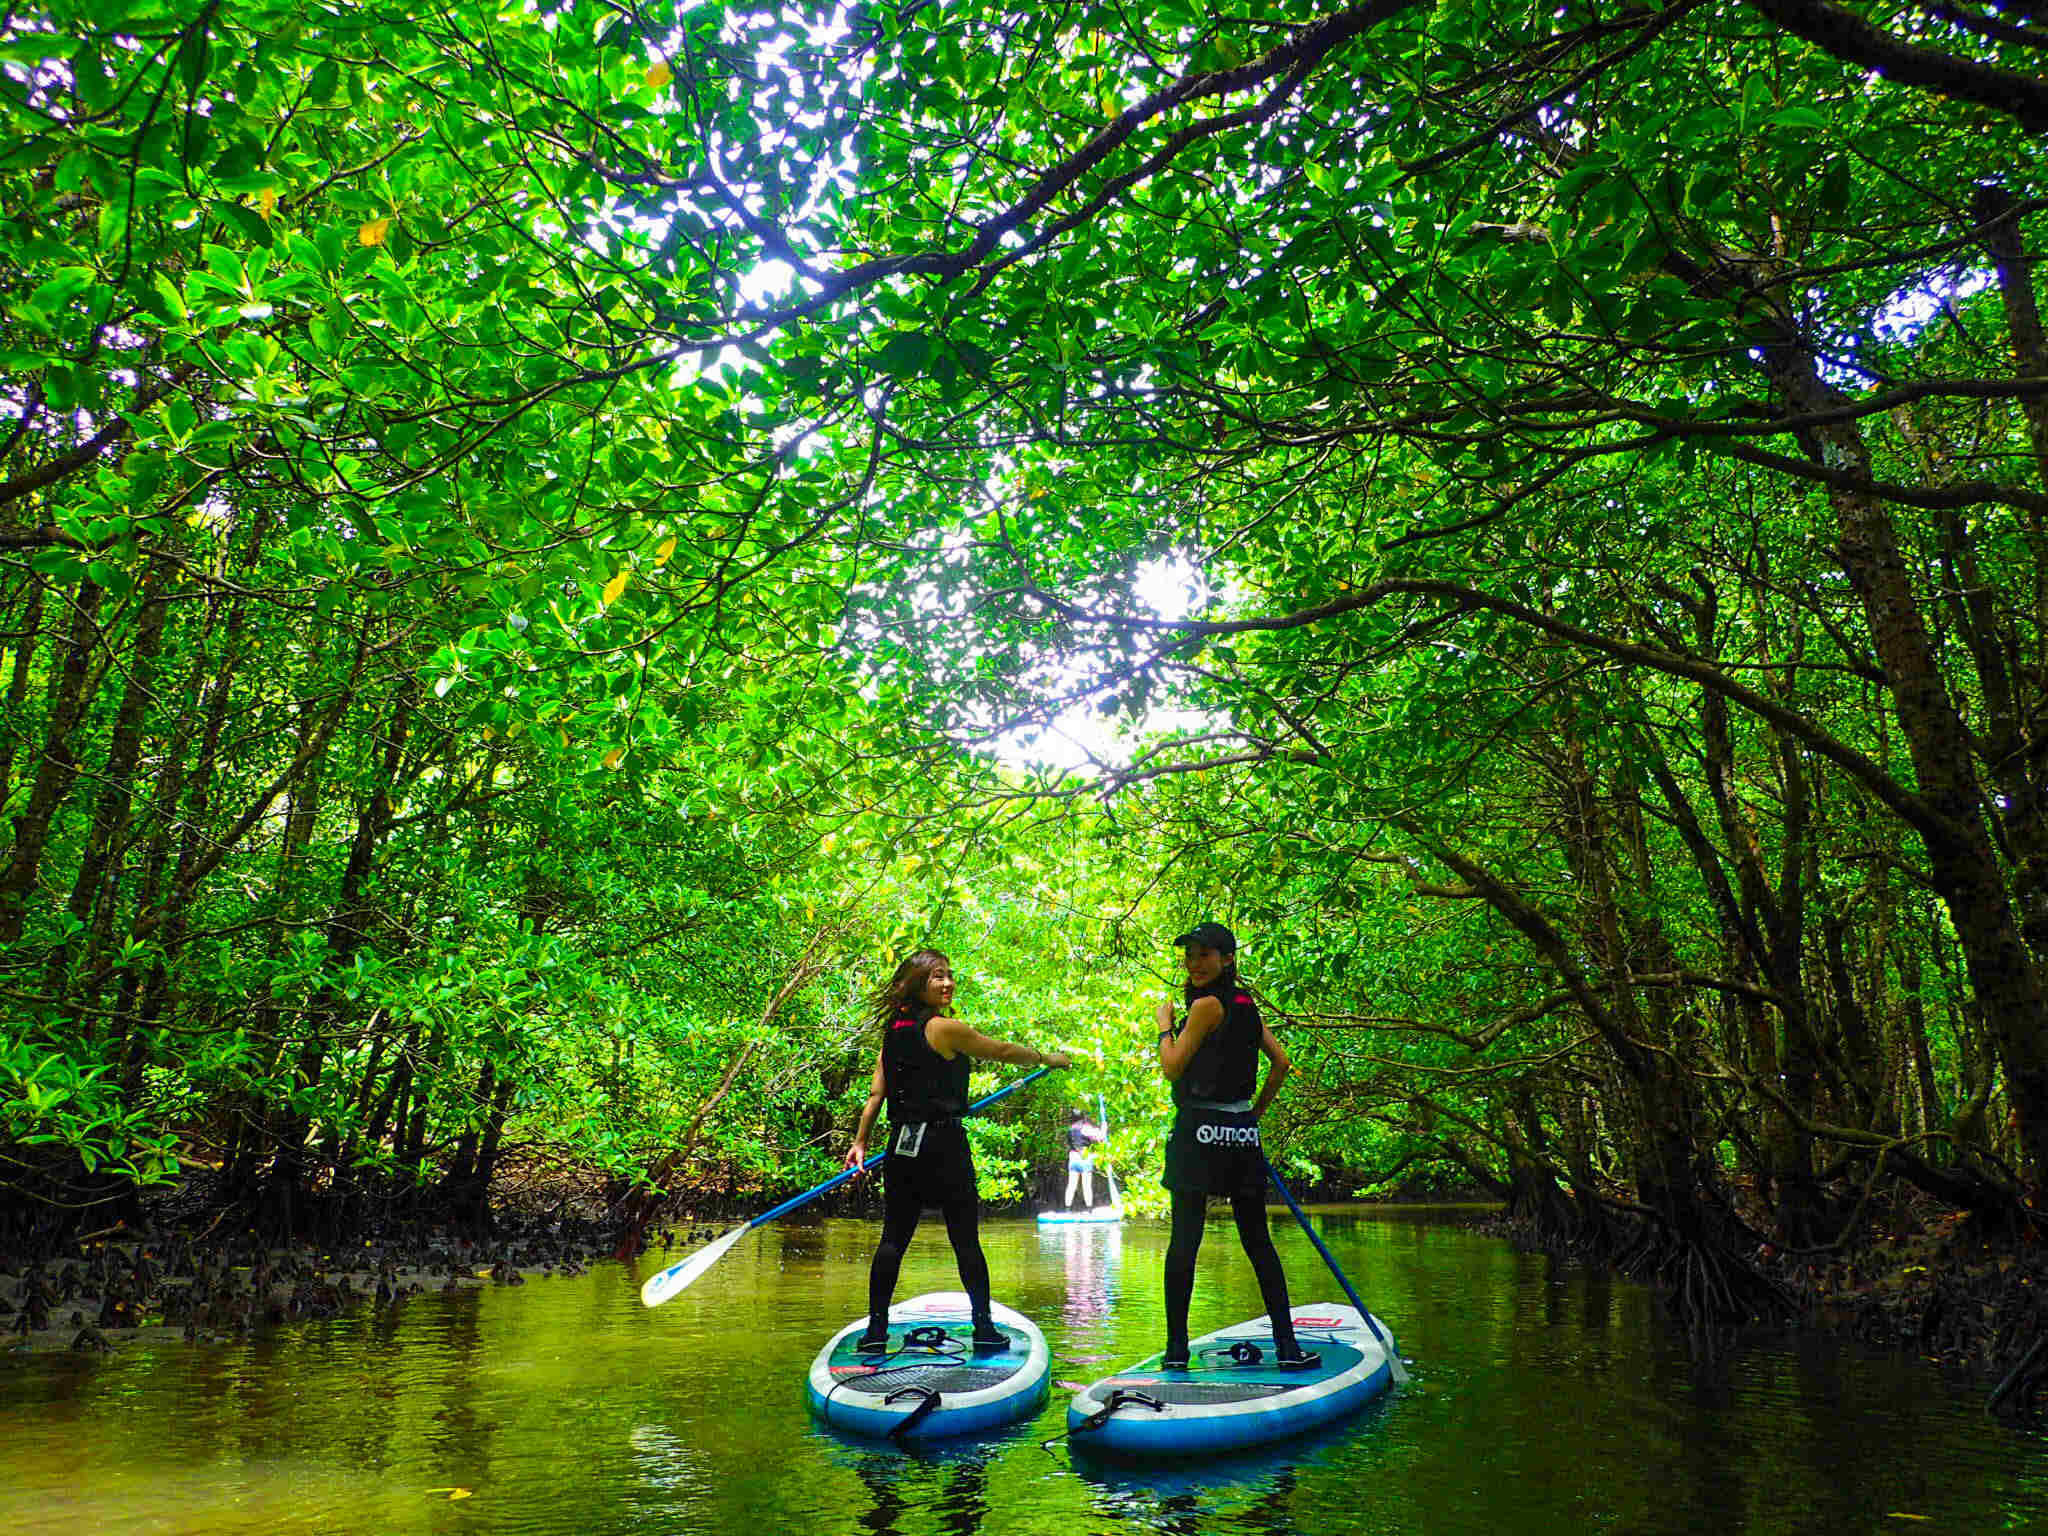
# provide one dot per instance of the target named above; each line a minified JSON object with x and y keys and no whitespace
{"x":680,"y":1276}
{"x":1385,"y":1335}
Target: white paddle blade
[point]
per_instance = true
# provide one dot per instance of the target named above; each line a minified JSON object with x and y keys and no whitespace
{"x":679,"y":1277}
{"x":1390,"y":1346}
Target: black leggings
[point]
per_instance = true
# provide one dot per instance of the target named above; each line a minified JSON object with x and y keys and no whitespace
{"x":900,"y":1213}
{"x":1249,"y":1207}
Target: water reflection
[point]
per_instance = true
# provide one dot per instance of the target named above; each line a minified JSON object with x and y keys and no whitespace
{"x":800,"y":1242}
{"x":1263,"y":1503}
{"x":946,"y":1482}
{"x":1267,"y":1491}
{"x":1546,"y":1400}
{"x":1575,"y":1298}
{"x":667,"y":1469}
{"x":1091,"y":1257}
{"x":954,"y":1488}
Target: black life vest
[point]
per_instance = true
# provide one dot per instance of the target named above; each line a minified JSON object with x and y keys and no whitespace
{"x":1225,"y":1069}
{"x":921,"y":1084}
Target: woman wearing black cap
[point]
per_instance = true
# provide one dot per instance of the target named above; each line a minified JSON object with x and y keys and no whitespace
{"x":1212,"y":1060}
{"x":921,"y":1071}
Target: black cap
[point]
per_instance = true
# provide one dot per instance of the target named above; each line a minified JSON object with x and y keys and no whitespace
{"x":1209,"y":936}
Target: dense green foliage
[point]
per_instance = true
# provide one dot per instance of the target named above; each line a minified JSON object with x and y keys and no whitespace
{"x":533,"y":537}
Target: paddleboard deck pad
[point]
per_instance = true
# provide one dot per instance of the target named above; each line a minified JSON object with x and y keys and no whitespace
{"x":934,"y":1380}
{"x":1233,"y":1393}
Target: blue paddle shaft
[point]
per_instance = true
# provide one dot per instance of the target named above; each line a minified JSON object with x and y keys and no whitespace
{"x":841,"y":1177}
{"x":1328,"y":1257}
{"x":825,"y":1188}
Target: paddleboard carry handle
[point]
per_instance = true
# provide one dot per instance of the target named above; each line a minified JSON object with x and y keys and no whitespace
{"x":917,"y":1415}
{"x":1120,"y":1398}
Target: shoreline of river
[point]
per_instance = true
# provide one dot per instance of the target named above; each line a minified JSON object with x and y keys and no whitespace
{"x":1946,"y":1292}
{"x":1945,"y":1289}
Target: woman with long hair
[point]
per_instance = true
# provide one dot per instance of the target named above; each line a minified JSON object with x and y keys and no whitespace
{"x":921,"y":1072}
{"x":1211,"y":1058}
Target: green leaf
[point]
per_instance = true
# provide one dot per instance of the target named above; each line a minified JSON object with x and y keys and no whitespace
{"x":112,"y":227}
{"x":251,"y":223}
{"x":1798,"y":117}
{"x":38,"y":47}
{"x":905,"y":353}
{"x":64,"y":285}
{"x":60,"y":564}
{"x":170,"y":303}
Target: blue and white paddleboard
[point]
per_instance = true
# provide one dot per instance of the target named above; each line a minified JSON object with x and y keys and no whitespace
{"x":1092,"y":1215}
{"x":933,"y":1381}
{"x":1233,"y":1394}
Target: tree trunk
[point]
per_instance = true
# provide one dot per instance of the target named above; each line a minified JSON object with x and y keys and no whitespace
{"x":56,"y":767}
{"x":347,"y":930}
{"x":1963,"y":865}
{"x":24,"y":639}
{"x":93,"y":887}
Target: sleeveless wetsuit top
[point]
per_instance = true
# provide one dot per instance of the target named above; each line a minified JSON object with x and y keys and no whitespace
{"x":921,"y":1084}
{"x":1225,"y":1069}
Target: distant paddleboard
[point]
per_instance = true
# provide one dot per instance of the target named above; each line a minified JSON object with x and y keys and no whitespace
{"x":1099,"y":1213}
{"x":1234,"y":1394}
{"x":933,"y":1381}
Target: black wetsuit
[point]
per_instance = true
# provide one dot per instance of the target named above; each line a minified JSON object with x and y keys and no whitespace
{"x":928,"y":1152}
{"x":929,"y":1164}
{"x":1214,"y":1148}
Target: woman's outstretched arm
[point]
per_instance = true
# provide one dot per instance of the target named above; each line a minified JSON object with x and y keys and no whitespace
{"x":954,"y":1037}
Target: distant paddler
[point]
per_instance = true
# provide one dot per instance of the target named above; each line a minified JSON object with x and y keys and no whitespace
{"x":921,"y":1072}
{"x":1082,"y":1135}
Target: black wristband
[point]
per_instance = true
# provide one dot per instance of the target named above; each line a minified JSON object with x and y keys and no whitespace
{"x":1167,"y":1034}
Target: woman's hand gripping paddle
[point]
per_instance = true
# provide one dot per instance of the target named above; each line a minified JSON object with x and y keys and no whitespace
{"x":680,"y":1276}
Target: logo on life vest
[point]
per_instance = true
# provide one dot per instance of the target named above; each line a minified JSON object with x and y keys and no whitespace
{"x":1227,"y":1135}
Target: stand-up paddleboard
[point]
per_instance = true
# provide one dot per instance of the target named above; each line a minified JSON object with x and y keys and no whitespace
{"x":1233,"y":1394}
{"x":933,"y":1380}
{"x":1099,"y":1213}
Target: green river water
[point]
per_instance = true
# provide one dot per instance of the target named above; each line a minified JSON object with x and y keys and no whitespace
{"x":1543,"y":1400}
